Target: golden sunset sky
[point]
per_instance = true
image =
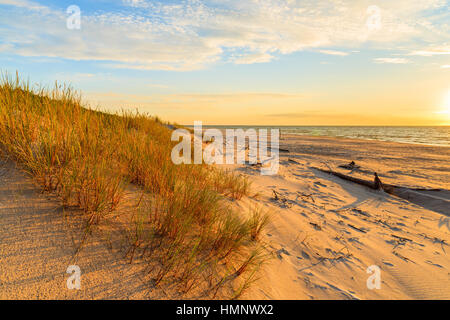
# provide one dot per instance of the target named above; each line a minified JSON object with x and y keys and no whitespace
{"x":273,"y":62}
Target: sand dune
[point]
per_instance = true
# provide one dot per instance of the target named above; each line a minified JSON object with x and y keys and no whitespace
{"x":325,"y":232}
{"x":38,"y":241}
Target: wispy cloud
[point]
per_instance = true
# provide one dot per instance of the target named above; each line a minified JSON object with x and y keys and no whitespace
{"x":334,"y":52}
{"x":253,"y":58}
{"x":431,"y":51}
{"x":193,"y":34}
{"x":29,"y":5}
{"x":392,"y":60}
{"x":17,"y":3}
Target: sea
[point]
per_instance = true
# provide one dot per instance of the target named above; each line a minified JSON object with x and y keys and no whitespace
{"x":436,"y":135}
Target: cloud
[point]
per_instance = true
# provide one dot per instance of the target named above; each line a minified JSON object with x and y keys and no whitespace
{"x":193,"y":34}
{"x":334,"y":52}
{"x":291,"y":115}
{"x":134,"y":3}
{"x":30,"y":5}
{"x":431,"y":52}
{"x":392,"y":60}
{"x":254,"y":58}
{"x":16,"y":3}
{"x":446,"y":66}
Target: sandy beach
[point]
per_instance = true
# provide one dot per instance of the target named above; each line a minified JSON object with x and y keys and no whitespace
{"x":324,"y":233}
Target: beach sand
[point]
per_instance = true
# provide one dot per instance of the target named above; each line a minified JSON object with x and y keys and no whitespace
{"x":324,"y":234}
{"x":39,"y":241}
{"x":326,"y":231}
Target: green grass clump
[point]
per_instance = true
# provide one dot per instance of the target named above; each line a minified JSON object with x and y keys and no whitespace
{"x":183,"y":228}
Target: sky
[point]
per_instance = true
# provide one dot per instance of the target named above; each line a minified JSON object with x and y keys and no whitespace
{"x":253,"y":62}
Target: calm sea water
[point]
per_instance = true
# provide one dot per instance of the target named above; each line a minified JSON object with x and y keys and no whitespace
{"x":439,"y":136}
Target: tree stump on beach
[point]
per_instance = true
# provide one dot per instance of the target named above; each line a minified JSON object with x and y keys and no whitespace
{"x":378,"y":185}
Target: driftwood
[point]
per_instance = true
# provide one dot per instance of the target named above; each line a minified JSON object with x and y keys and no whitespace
{"x":366,"y":183}
{"x":304,"y":196}
{"x":284,"y":201}
{"x":275,"y":195}
{"x":416,"y":196}
{"x":356,"y":228}
{"x":351,"y":166}
{"x":402,"y":239}
{"x":316,"y":226}
{"x":377,"y":184}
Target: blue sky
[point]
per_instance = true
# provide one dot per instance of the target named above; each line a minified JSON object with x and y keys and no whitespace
{"x":242,"y":62}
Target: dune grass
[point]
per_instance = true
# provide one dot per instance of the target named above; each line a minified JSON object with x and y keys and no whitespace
{"x":184,"y":228}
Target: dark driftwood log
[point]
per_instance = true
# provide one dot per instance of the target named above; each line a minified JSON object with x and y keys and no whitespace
{"x":351,"y":166}
{"x":275,"y":195}
{"x":366,"y":183}
{"x":434,"y":203}
{"x":280,"y":150}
